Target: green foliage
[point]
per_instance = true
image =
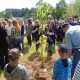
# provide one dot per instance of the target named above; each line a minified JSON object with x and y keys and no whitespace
{"x":24,"y":12}
{"x":73,"y":9}
{"x":7,"y":15}
{"x":61,"y":8}
{"x":1,"y":14}
{"x":42,"y":12}
{"x":77,"y":7}
{"x":39,"y":3}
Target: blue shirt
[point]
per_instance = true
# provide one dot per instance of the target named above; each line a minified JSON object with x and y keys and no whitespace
{"x":72,"y":37}
{"x":60,"y":72}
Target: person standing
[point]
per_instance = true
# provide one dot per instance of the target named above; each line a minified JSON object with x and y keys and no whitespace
{"x":72,"y":37}
{"x":22,"y":26}
{"x":16,"y":35}
{"x":35,"y":32}
{"x":60,"y":34}
{"x":8,"y":29}
{"x":3,"y":47}
{"x":51,"y":32}
{"x":29,"y":27}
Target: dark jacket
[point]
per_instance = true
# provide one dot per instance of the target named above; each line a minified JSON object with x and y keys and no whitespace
{"x":22,"y":30}
{"x":3,"y":40}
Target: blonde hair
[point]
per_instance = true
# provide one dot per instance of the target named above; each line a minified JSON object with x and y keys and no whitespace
{"x":16,"y":24}
{"x":37,"y":22}
{"x":52,"y":22}
{"x":1,"y":25}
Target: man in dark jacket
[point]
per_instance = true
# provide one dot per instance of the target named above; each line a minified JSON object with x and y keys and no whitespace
{"x":3,"y":47}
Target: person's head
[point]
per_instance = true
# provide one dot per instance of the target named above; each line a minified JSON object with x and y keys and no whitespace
{"x":50,"y":17}
{"x":14,"y":55}
{"x":36,"y":22}
{"x":16,"y":25}
{"x":52,"y":23}
{"x":65,"y":27}
{"x":70,"y":19}
{"x":62,"y":50}
{"x":9,"y":22}
{"x":4,"y":23}
{"x":29,"y":22}
{"x":21,"y":22}
{"x":60,"y":23}
{"x":14,"y":22}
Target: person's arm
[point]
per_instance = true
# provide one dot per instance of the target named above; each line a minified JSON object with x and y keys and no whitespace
{"x":55,"y":71}
{"x":76,"y":75}
{"x":25,"y":75}
{"x":35,"y":30}
{"x":69,"y":53}
{"x":69,"y":44}
{"x":69,"y":67}
{"x":4,"y":32}
{"x":5,"y":71}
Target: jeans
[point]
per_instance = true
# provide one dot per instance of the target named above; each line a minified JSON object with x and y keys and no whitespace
{"x":16,"y":43}
{"x":29,"y":40}
{"x":22,"y":42}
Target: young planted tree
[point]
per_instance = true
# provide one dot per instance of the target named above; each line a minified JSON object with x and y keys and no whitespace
{"x":42,"y":13}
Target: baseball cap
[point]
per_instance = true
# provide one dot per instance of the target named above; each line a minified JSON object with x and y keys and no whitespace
{"x":14,"y":53}
{"x":63,"y":48}
{"x":64,"y":25}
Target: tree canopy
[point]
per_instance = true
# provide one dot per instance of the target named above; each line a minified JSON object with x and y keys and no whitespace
{"x":61,"y":10}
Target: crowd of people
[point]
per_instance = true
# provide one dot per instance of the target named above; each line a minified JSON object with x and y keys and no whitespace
{"x":65,"y":31}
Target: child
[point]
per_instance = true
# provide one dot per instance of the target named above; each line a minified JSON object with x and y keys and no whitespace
{"x":62,"y":66}
{"x":14,"y":70}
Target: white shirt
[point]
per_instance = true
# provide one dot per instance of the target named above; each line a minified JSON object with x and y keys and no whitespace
{"x":8,"y":29}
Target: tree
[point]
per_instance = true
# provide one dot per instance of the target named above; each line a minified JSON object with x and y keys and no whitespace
{"x":42,"y":13}
{"x":77,"y":7}
{"x":2,"y":14}
{"x":61,"y":8}
{"x":39,"y":3}
{"x":7,"y":15}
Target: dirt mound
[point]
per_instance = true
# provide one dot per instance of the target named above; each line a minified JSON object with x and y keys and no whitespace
{"x":33,"y":65}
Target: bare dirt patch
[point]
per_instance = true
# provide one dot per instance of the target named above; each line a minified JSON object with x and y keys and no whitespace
{"x":33,"y":65}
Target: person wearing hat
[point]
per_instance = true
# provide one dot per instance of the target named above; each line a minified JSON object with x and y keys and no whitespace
{"x":62,"y":66}
{"x":72,"y":37}
{"x":14,"y":70}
